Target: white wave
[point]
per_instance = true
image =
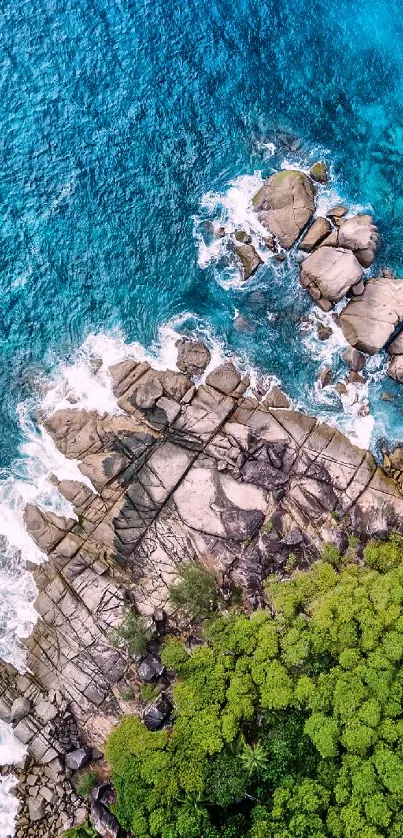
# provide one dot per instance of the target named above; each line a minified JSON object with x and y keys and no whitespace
{"x":8,"y":806}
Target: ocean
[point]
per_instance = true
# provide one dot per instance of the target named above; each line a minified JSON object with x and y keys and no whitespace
{"x":126,"y":128}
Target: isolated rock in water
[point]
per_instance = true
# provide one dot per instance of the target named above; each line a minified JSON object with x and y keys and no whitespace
{"x":319,"y":172}
{"x":395,"y":369}
{"x":370,"y":320}
{"x":317,"y":232}
{"x":358,"y":234}
{"x":324,"y":332}
{"x":329,"y":273}
{"x":193,"y":357}
{"x":276,"y":398}
{"x":325,"y":377}
{"x":285,"y":204}
{"x":249,"y":259}
{"x":354,"y":358}
{"x":396,"y":346}
{"x":242,"y":236}
{"x":224,"y":378}
{"x":77,"y":759}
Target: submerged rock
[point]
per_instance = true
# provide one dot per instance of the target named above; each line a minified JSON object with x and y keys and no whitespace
{"x":328,"y":273}
{"x":369,"y":321}
{"x":285,"y":204}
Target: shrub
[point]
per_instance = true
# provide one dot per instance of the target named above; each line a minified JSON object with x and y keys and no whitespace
{"x":195,"y":596}
{"x":288,"y":722}
{"x":148,"y":692}
{"x":82,"y":831}
{"x":86,"y":783}
{"x":132,"y":634}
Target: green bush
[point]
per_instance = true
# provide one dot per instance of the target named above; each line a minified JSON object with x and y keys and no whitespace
{"x":148,"y":692}
{"x":131,"y":634}
{"x":83,"y":831}
{"x":195,"y":596}
{"x":86,"y":783}
{"x":288,"y":721}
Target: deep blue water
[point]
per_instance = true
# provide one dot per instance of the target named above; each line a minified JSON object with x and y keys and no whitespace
{"x":116,"y":117}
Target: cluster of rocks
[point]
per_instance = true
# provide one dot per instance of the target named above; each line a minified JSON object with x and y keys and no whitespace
{"x":183,"y":473}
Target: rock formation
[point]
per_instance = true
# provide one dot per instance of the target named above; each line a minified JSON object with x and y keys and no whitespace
{"x":328,"y":273}
{"x":285,"y":204}
{"x":369,"y":321}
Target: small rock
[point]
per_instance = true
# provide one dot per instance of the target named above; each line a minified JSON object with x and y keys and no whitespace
{"x":396,"y":346}
{"x":386,"y":397}
{"x":337,"y":212}
{"x":325,"y":377}
{"x":249,"y":259}
{"x":20,"y":708}
{"x":317,"y":232}
{"x":318,"y":172}
{"x":324,"y":332}
{"x":47,"y":794}
{"x":78,"y":758}
{"x":150,"y":668}
{"x":36,"y":808}
{"x":242,"y":236}
{"x":355,"y":378}
{"x":395,"y":369}
{"x":276,"y":398}
{"x":220,"y":232}
{"x":224,"y":378}
{"x":156,"y":714}
{"x":193,"y":356}
{"x":354,"y":359}
{"x":280,"y":257}
{"x":270,"y":243}
{"x":96,"y":754}
{"x":340,"y":388}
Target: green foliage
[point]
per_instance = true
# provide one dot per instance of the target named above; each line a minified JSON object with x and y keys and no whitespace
{"x":131,"y":634}
{"x":288,"y":722}
{"x":83,"y":831}
{"x":195,"y":596}
{"x":148,"y":692}
{"x":86,"y":783}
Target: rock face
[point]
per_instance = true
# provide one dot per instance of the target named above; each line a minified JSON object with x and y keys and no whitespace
{"x":319,"y":172}
{"x":369,"y":321}
{"x":328,"y":273}
{"x":193,"y":357}
{"x":358,"y":234}
{"x":285,"y":204}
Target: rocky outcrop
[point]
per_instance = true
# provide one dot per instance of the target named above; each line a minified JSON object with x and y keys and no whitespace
{"x":193,"y":357}
{"x":369,"y":321}
{"x":318,"y":172}
{"x":317,"y":232}
{"x":358,"y":234}
{"x":249,"y":259}
{"x":285,"y":204}
{"x":328,"y":273}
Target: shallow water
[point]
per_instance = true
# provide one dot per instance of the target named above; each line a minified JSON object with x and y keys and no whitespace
{"x":125,"y":125}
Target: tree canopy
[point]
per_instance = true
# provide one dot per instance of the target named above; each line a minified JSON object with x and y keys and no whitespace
{"x":288,"y":720}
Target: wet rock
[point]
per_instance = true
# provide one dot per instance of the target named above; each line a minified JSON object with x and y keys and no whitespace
{"x":328,"y":273}
{"x":276,"y":398}
{"x":193,"y":357}
{"x":150,"y":668}
{"x":241,"y":324}
{"x":370,"y":320}
{"x":318,"y":172}
{"x":78,"y":758}
{"x":249,"y":259}
{"x":224,"y":378}
{"x":285,"y":204}
{"x":242,"y":236}
{"x":317,"y":232}
{"x":20,"y":708}
{"x":354,"y":359}
{"x":257,"y":302}
{"x":220,"y":232}
{"x":396,"y":346}
{"x":358,"y":234}
{"x":146,"y":395}
{"x":270,"y":243}
{"x":395,"y":368}
{"x":324,"y":332}
{"x":337,"y":212}
{"x":386,"y":397}
{"x":325,"y":377}
{"x":157,"y":713}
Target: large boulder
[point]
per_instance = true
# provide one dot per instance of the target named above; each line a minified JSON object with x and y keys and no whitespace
{"x":328,"y":273}
{"x":78,"y":758}
{"x":224,"y":378}
{"x":285,"y":204}
{"x":395,"y":369}
{"x":369,"y":321}
{"x":317,"y":232}
{"x":358,"y":234}
{"x":193,"y":356}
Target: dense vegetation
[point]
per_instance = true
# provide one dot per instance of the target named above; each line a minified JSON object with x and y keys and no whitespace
{"x":289,"y":721}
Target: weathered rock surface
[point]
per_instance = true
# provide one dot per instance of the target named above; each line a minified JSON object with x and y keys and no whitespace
{"x":358,"y":234}
{"x":193,"y":357}
{"x":354,"y":358}
{"x":369,"y":321}
{"x":395,"y":368}
{"x":395,"y":347}
{"x":318,"y":172}
{"x":328,"y":273}
{"x":285,"y":204}
{"x":317,"y":232}
{"x":249,"y":259}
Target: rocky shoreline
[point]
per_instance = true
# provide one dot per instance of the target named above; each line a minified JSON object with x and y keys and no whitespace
{"x":187,"y":472}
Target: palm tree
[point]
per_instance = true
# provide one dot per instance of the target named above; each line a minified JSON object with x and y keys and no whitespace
{"x":254,"y":758}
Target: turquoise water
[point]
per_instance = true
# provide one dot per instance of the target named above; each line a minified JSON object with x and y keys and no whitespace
{"x":117,"y":119}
